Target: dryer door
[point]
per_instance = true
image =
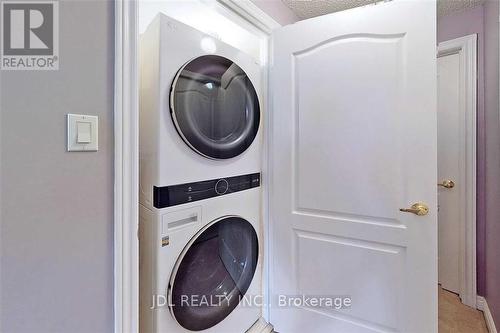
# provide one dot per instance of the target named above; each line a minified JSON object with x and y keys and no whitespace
{"x":213,"y":273}
{"x":214,"y":107}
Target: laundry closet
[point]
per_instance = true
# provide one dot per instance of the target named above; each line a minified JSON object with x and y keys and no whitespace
{"x":278,"y":162}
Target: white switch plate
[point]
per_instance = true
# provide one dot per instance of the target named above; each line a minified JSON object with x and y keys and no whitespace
{"x":82,"y":132}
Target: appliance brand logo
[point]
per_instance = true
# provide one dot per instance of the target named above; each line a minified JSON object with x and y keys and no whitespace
{"x":30,"y":35}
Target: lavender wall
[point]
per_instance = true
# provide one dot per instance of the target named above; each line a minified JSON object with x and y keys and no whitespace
{"x":492,"y":129}
{"x":56,"y":209}
{"x":450,"y":27}
{"x":483,"y":20}
{"x":277,"y":10}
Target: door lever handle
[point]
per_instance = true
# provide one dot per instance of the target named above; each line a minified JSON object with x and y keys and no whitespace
{"x":447,"y":184}
{"x":418,"y":208}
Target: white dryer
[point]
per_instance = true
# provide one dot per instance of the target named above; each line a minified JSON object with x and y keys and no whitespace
{"x":200,"y":263}
{"x":199,"y":108}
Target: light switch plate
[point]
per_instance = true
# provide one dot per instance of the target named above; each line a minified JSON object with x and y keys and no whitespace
{"x":82,"y":132}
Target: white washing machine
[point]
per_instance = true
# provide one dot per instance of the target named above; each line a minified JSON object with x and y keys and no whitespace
{"x":200,"y":264}
{"x":199,"y":108}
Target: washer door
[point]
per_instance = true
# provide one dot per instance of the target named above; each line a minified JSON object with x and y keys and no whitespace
{"x":213,"y":273}
{"x":214,"y":107}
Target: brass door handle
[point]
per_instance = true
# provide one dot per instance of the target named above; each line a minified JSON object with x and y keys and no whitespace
{"x":447,"y":184}
{"x":419,"y":209}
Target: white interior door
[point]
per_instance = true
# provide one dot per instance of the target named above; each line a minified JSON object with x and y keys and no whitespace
{"x":449,"y":162}
{"x":353,"y":140}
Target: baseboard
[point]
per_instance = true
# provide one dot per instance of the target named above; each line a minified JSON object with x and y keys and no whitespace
{"x":483,"y":306}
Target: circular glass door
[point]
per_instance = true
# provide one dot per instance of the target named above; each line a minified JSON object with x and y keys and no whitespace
{"x":213,"y":273}
{"x":214,"y":107}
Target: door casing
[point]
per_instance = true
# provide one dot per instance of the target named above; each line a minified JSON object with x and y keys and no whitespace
{"x":466,"y":48}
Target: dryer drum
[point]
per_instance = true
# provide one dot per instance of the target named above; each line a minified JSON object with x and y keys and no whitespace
{"x":214,"y":273}
{"x":215,"y":107}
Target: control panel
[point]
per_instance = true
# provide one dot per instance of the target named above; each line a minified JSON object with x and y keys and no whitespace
{"x":173,"y":195}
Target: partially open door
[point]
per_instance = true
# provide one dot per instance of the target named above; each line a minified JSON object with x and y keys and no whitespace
{"x":353,"y":141}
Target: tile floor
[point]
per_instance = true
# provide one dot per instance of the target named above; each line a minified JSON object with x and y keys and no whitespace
{"x":455,"y":317}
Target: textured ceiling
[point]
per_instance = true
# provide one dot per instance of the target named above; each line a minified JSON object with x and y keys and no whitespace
{"x":310,"y":8}
{"x":446,"y":7}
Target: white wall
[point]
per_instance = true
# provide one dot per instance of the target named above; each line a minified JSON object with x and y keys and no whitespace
{"x":208,"y":18}
{"x":277,"y":10}
{"x":56,"y":252}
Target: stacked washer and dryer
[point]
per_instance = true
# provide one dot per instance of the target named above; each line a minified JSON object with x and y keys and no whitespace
{"x":200,"y":200}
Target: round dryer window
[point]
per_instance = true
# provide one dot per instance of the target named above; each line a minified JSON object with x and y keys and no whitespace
{"x":214,"y":107}
{"x":213,"y":273}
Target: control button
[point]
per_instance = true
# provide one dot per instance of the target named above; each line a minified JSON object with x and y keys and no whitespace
{"x":221,"y":186}
{"x":199,"y":186}
{"x":256,"y":180}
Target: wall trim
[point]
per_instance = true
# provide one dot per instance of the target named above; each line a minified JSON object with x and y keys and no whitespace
{"x":466,"y":48}
{"x":482,"y":305}
{"x":252,"y":14}
{"x":126,"y":124}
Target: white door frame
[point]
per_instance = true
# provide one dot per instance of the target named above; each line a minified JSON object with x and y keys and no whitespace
{"x":126,"y":201}
{"x":126,"y":128}
{"x":466,"y":48}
